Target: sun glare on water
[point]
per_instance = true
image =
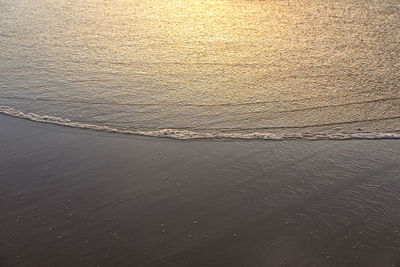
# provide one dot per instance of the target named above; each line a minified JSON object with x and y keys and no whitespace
{"x":276,"y":67}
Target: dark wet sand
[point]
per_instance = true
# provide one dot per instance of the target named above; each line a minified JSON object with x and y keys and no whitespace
{"x":71,"y":197}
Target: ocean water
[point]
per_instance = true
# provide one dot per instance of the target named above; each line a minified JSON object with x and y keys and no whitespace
{"x":186,"y":69}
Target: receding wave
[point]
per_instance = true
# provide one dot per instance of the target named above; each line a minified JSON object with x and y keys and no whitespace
{"x":187,"y":135}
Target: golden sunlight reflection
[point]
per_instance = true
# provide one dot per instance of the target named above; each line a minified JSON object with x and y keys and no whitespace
{"x":210,"y":66}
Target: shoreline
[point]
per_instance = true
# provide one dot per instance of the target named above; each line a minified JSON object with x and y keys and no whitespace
{"x":72,"y":197}
{"x":180,"y":134}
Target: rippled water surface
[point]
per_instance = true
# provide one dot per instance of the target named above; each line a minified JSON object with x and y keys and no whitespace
{"x":263,"y":69}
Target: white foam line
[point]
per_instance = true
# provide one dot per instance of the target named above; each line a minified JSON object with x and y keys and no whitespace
{"x":187,"y":135}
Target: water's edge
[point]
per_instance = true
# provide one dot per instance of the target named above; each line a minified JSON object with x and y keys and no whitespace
{"x":187,"y":135}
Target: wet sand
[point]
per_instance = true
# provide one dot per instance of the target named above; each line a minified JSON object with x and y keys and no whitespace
{"x":71,"y":197}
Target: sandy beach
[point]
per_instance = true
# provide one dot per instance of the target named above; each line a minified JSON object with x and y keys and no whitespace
{"x":72,"y":197}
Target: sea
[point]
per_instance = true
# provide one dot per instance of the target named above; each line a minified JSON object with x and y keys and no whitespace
{"x":188,"y":69}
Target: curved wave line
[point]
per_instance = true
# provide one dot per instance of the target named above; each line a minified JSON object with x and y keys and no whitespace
{"x":185,"y":134}
{"x":306,"y":126}
{"x":199,"y":105}
{"x":151,"y":104}
{"x":342,"y":105}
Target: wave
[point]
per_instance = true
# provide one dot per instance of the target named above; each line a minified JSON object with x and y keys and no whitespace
{"x":39,"y":99}
{"x":187,"y":135}
{"x":150,"y":104}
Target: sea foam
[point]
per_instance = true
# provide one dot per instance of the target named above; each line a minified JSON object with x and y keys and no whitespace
{"x":187,"y":135}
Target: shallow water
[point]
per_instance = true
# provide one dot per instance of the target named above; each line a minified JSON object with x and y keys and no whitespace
{"x":187,"y":69}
